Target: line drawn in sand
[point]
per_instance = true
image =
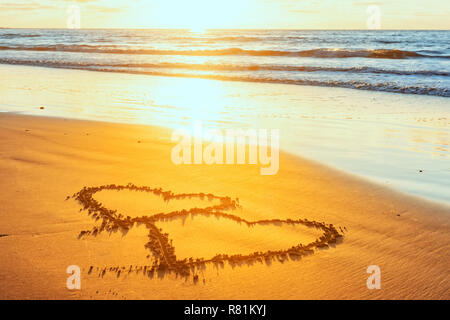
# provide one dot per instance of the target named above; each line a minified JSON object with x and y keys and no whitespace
{"x":161,"y":248}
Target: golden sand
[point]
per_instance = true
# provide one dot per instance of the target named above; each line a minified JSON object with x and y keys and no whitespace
{"x":197,"y":247}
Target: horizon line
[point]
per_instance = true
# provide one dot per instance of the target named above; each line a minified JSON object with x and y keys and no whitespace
{"x":243,"y":29}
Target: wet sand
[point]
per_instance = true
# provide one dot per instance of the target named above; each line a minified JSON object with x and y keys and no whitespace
{"x":45,"y":164}
{"x":398,"y":140}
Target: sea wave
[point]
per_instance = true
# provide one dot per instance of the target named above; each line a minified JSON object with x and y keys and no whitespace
{"x":361,"y":85}
{"x":262,"y":38}
{"x":18,"y":35}
{"x":224,"y":38}
{"x":314,"y":53}
{"x":223,"y":67}
{"x":173,"y":72}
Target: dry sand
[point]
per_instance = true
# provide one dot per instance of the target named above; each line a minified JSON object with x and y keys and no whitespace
{"x":44,"y":160}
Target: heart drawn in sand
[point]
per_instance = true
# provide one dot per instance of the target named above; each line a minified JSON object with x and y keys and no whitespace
{"x":160,"y":245}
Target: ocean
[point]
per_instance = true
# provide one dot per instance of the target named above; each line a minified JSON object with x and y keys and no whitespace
{"x":372,"y":103}
{"x":410,"y":62}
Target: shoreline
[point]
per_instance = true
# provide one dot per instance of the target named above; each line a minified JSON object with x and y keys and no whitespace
{"x":243,"y":79}
{"x":398,"y":194}
{"x":44,"y":159}
{"x":386,"y":124}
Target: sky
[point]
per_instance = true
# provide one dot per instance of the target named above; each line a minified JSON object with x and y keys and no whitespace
{"x":226,"y":14}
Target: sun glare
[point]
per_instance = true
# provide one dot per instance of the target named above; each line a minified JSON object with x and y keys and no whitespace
{"x":197,"y":30}
{"x":198,"y":15}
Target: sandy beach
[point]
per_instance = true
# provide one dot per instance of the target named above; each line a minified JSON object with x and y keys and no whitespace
{"x":44,"y":161}
{"x":212,"y":157}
